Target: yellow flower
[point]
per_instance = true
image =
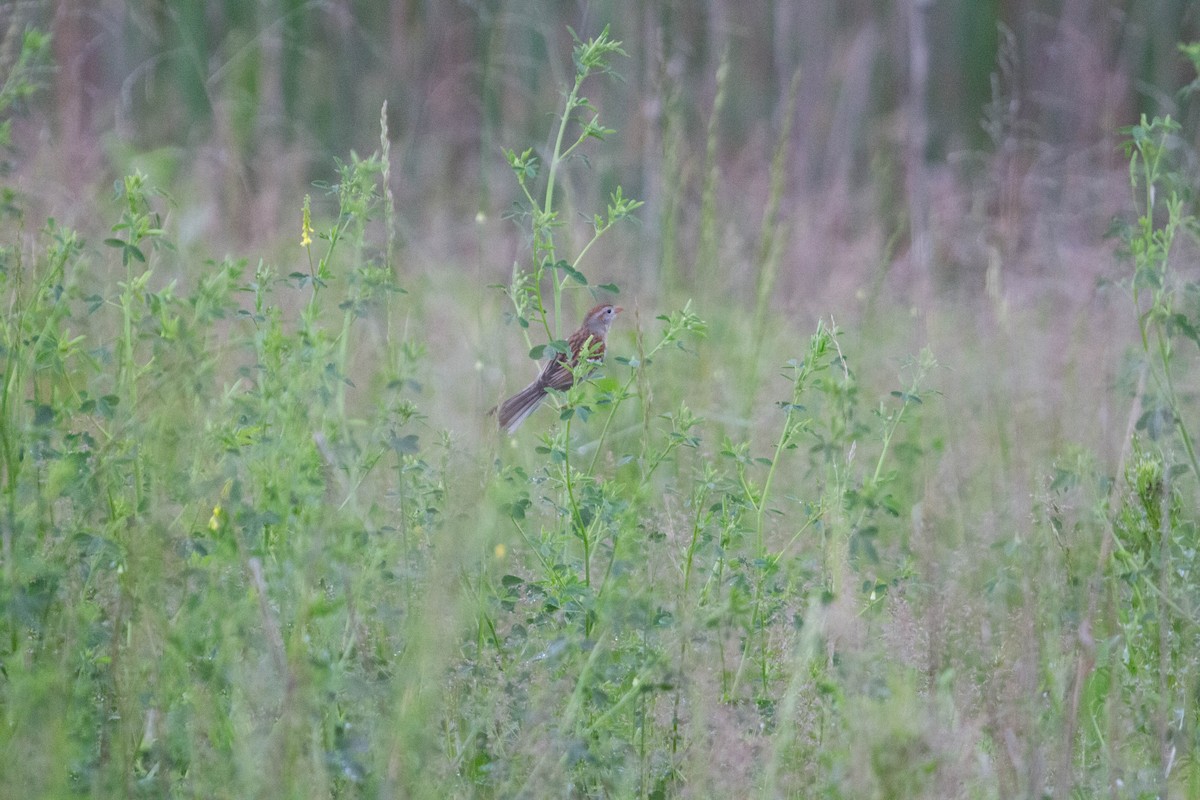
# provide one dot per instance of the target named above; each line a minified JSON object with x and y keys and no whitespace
{"x":214,"y":522}
{"x":306,"y":229}
{"x":500,"y":551}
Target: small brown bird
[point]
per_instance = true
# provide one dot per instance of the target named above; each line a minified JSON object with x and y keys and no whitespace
{"x":557,"y":372}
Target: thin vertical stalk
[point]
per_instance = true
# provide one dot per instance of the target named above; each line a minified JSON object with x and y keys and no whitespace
{"x":707,"y":261}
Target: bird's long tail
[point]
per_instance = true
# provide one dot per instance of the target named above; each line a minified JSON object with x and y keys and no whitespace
{"x":515,"y":409}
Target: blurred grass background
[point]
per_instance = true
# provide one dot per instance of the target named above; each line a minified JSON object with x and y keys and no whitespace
{"x":935,"y":175}
{"x":933,"y":150}
{"x":997,"y":115}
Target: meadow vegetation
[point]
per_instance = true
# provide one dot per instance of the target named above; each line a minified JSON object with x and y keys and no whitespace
{"x":260,"y":539}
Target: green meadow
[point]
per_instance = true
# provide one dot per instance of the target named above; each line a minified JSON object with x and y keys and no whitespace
{"x":887,"y":490}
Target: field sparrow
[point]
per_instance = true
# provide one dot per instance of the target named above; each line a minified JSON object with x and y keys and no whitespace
{"x":557,"y":372}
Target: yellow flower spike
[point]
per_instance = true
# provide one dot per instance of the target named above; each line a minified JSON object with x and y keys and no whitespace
{"x":218,"y":513}
{"x":500,"y":551}
{"x":306,"y":229}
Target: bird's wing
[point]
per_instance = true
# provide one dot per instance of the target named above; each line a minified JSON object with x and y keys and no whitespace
{"x":557,"y":374}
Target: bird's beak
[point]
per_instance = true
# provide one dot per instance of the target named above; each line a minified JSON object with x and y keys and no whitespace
{"x":617,"y":309}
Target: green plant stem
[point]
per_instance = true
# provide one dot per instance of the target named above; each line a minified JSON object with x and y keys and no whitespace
{"x":632,"y":693}
{"x":1168,"y":382}
{"x":548,"y":207}
{"x":128,"y":370}
{"x":889,"y":431}
{"x":607,"y":424}
{"x":698,"y":501}
{"x":584,"y":250}
{"x":1164,"y":632}
{"x":612,"y":411}
{"x":576,"y":516}
{"x":808,"y":523}
{"x":760,"y":506}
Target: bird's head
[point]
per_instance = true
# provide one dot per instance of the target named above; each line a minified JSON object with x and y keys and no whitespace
{"x":600,"y":319}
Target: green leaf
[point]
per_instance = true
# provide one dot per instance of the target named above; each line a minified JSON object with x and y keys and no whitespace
{"x":108,"y":405}
{"x":404,"y":445}
{"x":1179,"y":322}
{"x":43,"y":415}
{"x":1156,"y":422}
{"x":576,"y":275}
{"x":606,"y":383}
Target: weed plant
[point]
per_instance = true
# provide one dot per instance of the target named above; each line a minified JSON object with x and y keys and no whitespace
{"x":232,"y":567}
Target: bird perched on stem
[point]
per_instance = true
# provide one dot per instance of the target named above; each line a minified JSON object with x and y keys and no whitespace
{"x":557,"y":374}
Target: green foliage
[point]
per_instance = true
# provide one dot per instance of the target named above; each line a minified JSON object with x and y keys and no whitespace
{"x":239,"y":558}
{"x":23,"y":78}
{"x":1154,"y":566}
{"x":582,"y":120}
{"x":186,"y":503}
